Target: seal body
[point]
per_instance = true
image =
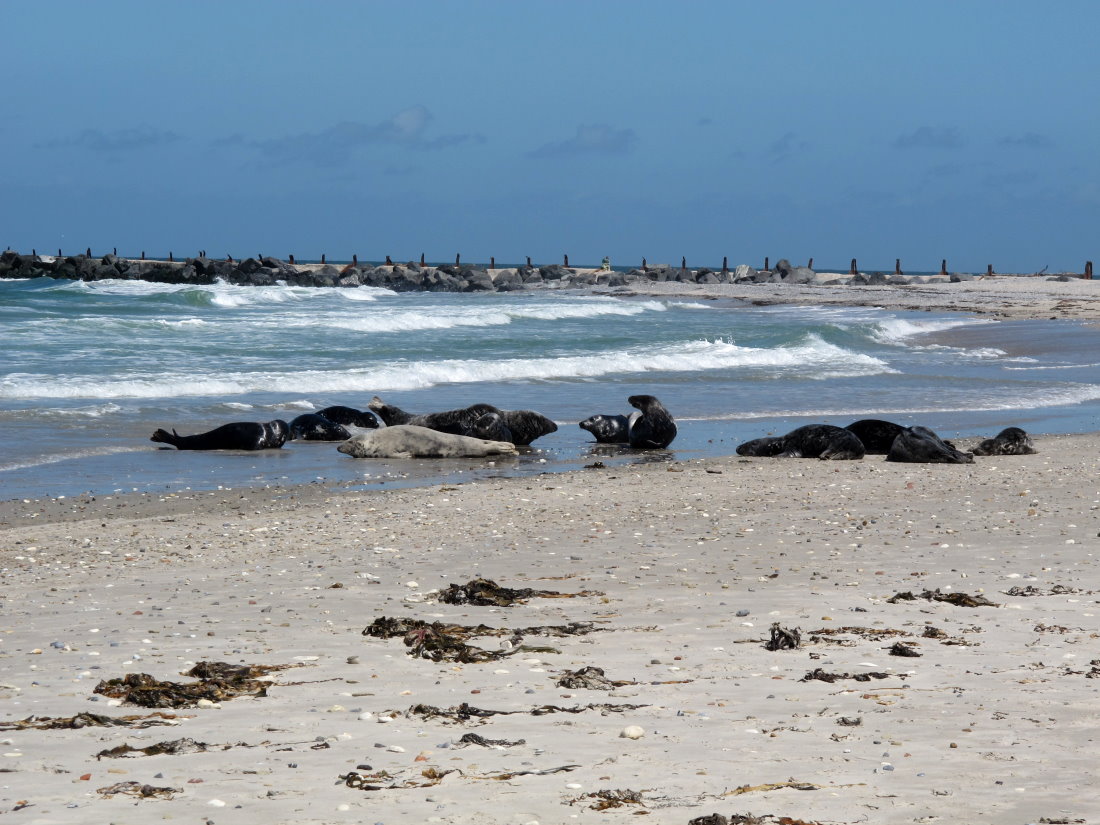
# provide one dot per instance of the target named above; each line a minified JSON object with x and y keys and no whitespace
{"x":919,"y":445}
{"x":1009,"y":441}
{"x":876,"y":435}
{"x":490,"y":427}
{"x":822,"y":441}
{"x":316,"y":427}
{"x":240,"y":435}
{"x":607,"y":429}
{"x":521,"y":427}
{"x":654,"y":428}
{"x":412,"y":441}
{"x":349,"y":416}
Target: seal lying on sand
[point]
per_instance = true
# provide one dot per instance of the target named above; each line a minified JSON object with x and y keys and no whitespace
{"x":524,"y":426}
{"x":240,"y":435}
{"x":822,"y":441}
{"x":349,"y":416}
{"x":316,"y":427}
{"x":876,"y":435}
{"x":1009,"y":441}
{"x":608,"y":429}
{"x":654,"y":428}
{"x":919,"y":445}
{"x":411,"y":441}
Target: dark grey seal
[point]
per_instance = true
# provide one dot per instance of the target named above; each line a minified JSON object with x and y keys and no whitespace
{"x":654,"y":428}
{"x":1009,"y":441}
{"x":876,"y":435}
{"x":523,"y":426}
{"x":316,"y":427}
{"x":240,"y":435}
{"x":919,"y":445}
{"x":349,"y":416}
{"x":822,"y":441}
{"x":608,"y":429}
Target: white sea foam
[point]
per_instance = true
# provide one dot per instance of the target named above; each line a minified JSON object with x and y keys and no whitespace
{"x":813,"y":358}
{"x":899,"y":330}
{"x":56,"y":458}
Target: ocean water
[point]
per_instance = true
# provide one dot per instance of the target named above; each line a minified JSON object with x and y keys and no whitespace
{"x":89,"y":370}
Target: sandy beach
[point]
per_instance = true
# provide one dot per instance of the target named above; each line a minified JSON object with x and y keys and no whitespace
{"x":681,"y":571}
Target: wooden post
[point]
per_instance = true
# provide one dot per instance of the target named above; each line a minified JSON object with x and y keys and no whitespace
{"x":854,"y":270}
{"x":810,"y":264}
{"x":289,"y":257}
{"x":988,"y":269}
{"x":170,"y":258}
{"x":528,"y":260}
{"x":566,"y":258}
{"x":1088,"y":270}
{"x":322,"y":257}
{"x":492,"y":262}
{"x":943,"y":267}
{"x":422,"y":259}
{"x":354,"y":259}
{"x":645,"y":266}
{"x":683,"y":264}
{"x":115,"y":251}
{"x":726,"y":263}
{"x":766,"y":268}
{"x":88,"y":252}
{"x":457,"y":258}
{"x":897,"y":266}
{"x":143,"y":254}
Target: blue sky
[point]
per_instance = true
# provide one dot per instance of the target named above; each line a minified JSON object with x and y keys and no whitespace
{"x":965,"y":130}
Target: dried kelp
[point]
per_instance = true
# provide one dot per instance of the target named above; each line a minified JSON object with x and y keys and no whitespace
{"x":904,"y":649}
{"x":783,"y":639}
{"x":773,"y":786}
{"x":173,"y":747}
{"x":506,"y":775}
{"x":373,"y":781}
{"x":931,"y":632}
{"x":748,"y":819}
{"x":589,"y":678}
{"x":607,"y":799}
{"x":90,"y":720}
{"x":218,"y":682}
{"x":465,"y":712}
{"x":443,"y":641}
{"x":139,"y":790}
{"x":957,"y":599}
{"x":487,"y":593}
{"x":820,"y":675}
{"x":474,"y":739}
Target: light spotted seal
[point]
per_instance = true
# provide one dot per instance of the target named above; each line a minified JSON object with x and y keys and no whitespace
{"x":412,"y":441}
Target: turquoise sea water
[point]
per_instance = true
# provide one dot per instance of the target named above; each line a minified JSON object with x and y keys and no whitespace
{"x":89,"y":370}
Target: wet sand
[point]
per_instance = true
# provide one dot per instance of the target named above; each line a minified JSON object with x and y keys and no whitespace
{"x":687,"y":566}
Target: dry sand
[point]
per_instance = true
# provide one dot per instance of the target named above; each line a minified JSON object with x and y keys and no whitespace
{"x":995,"y":722}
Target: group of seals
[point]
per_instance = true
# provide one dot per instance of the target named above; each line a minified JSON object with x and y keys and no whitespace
{"x":652,"y":427}
{"x":519,"y":427}
{"x":871,"y":436}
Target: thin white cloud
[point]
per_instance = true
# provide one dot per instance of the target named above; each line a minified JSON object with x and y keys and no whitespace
{"x":594,"y":139}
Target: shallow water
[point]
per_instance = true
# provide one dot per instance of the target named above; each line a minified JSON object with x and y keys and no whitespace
{"x":88,"y":371}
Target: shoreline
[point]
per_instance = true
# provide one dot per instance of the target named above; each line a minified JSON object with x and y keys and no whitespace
{"x":686,"y":566}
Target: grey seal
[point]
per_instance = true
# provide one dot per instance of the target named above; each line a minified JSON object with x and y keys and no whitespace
{"x":919,"y":445}
{"x":822,"y":441}
{"x":654,"y":428}
{"x":411,"y":441}
{"x":877,"y":435}
{"x":240,"y":435}
{"x":524,"y":426}
{"x":316,"y":427}
{"x":1009,"y":441}
{"x":608,"y":429}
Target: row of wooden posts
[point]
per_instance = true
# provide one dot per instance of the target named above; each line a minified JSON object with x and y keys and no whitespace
{"x":853,"y":270}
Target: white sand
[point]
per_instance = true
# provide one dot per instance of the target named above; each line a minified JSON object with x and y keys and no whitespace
{"x":1000,"y":726}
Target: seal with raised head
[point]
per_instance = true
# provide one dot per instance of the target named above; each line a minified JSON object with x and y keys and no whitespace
{"x":608,"y":429}
{"x":349,"y":416}
{"x":822,"y":441}
{"x":411,"y":441}
{"x":490,"y":427}
{"x":316,"y":427}
{"x":654,"y":428}
{"x":877,"y":435}
{"x":240,"y":435}
{"x":527,"y":425}
{"x":1009,"y":441}
{"x":919,"y":445}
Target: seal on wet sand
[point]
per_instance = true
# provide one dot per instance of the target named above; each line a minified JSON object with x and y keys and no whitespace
{"x":608,"y":429}
{"x":919,"y":445}
{"x":876,"y":435}
{"x":1009,"y":441}
{"x":822,"y":441}
{"x":411,"y":441}
{"x":240,"y":435}
{"x":316,"y":427}
{"x":349,"y":416}
{"x":654,"y":428}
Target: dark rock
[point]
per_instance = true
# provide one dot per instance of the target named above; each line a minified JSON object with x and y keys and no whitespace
{"x":783,"y":267}
{"x":958,"y":277}
{"x":248,"y":266}
{"x":743,"y":273}
{"x":555,"y":272}
{"x":478,"y":280}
